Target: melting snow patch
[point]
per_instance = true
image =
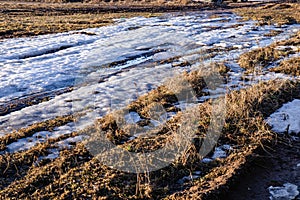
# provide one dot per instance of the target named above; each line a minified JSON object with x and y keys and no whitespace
{"x":287,"y":118}
{"x":219,"y":153}
{"x":39,"y":137}
{"x":206,"y":160}
{"x":197,"y":172}
{"x":286,"y":48}
{"x":287,"y":192}
{"x":27,"y":143}
{"x":132,"y":117}
{"x":187,"y":179}
{"x":69,"y":142}
{"x":54,"y":154}
{"x":227,"y":147}
{"x":221,"y":44}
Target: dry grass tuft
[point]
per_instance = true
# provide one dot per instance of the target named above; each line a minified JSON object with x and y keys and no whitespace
{"x":290,"y":66}
{"x":16,"y":165}
{"x":273,"y":33}
{"x":274,"y":13}
{"x":261,"y":57}
{"x":265,"y":56}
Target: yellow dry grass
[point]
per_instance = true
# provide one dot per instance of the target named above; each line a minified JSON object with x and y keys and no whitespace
{"x":29,"y":25}
{"x":290,"y":66}
{"x":273,"y":13}
{"x":28,"y":19}
{"x":264,"y":56}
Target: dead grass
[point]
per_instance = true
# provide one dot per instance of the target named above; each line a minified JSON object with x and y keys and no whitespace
{"x":165,"y":98}
{"x":290,"y":66}
{"x":16,"y":165}
{"x":265,"y":56}
{"x":245,"y":127}
{"x":24,"y":24}
{"x":166,"y":95}
{"x":75,"y":174}
{"x":111,"y":2}
{"x":273,"y":33}
{"x":273,"y":13}
{"x":32,"y":177}
{"x":47,"y":125}
{"x":29,"y":19}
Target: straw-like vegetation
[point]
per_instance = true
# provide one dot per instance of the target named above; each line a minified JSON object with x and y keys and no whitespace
{"x":264,"y":56}
{"x":290,"y":66}
{"x":29,"y":19}
{"x":273,"y":13}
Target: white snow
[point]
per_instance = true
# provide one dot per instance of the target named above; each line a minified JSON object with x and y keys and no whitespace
{"x":219,"y":153}
{"x":132,"y":117}
{"x":38,"y":137}
{"x":188,"y":178}
{"x":287,"y":192}
{"x":197,"y":172}
{"x":287,"y":118}
{"x":206,"y":160}
{"x":69,"y":142}
{"x":27,"y":143}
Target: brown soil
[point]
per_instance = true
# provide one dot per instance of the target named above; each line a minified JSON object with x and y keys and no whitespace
{"x":272,"y":168}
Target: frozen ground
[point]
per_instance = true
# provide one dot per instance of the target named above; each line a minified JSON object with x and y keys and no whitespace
{"x":287,"y":192}
{"x":287,"y":118}
{"x":115,"y":64}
